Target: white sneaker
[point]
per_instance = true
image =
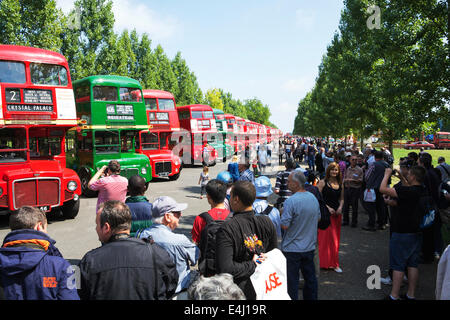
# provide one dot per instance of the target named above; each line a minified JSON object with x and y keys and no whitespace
{"x":387,"y":280}
{"x":338,"y":270}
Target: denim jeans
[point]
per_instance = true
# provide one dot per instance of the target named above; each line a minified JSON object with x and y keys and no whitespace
{"x":303,"y":261}
{"x":311,"y":163}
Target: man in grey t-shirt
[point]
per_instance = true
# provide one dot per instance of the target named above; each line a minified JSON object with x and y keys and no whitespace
{"x":299,"y":221}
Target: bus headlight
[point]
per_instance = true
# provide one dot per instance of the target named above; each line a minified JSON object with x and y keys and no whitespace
{"x":72,"y":185}
{"x":144,"y":171}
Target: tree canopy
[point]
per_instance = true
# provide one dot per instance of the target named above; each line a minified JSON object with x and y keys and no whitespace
{"x":394,"y":78}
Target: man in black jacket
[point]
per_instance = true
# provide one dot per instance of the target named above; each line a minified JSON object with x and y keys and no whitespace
{"x":125,"y":268}
{"x":242,"y":240}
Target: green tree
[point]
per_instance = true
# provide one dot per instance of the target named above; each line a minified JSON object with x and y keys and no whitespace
{"x":391,"y":79}
{"x":165,"y":77}
{"x":90,"y":46}
{"x":145,"y":64}
{"x":32,"y":23}
{"x":257,"y":111}
{"x":213,"y":98}
{"x":187,"y":88}
{"x":231,"y":105}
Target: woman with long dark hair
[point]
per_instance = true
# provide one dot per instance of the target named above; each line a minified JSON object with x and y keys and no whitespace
{"x":329,"y":239}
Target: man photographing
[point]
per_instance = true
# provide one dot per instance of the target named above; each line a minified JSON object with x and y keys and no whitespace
{"x":405,"y":243}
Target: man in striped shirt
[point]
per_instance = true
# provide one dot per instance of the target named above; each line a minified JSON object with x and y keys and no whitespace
{"x":281,"y":185}
{"x":245,"y":173}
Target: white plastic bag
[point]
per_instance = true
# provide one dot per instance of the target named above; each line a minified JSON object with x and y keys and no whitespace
{"x":269,"y":279}
{"x":370,"y":195}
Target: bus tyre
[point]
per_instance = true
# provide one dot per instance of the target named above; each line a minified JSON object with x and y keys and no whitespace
{"x":85,"y":177}
{"x":174,"y":177}
{"x":70,"y":209}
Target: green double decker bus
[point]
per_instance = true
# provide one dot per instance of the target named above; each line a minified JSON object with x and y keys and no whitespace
{"x":111,"y":114}
{"x":224,"y":147}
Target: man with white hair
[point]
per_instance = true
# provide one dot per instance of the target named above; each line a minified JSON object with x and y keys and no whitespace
{"x":166,"y":215}
{"x":299,"y":220}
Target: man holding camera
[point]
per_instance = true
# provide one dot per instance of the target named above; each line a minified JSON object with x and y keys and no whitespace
{"x":405,"y":242}
{"x":112,"y":186}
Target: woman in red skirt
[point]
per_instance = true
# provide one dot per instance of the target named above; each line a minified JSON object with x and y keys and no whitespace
{"x":328,"y":239}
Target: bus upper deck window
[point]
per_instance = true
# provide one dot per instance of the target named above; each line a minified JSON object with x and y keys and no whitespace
{"x":48,"y":74}
{"x":150,"y":104}
{"x":105,"y":93}
{"x":208,"y":114}
{"x":12,"y":72}
{"x":166,"y":104}
{"x":128,"y":94}
{"x":197,"y":115}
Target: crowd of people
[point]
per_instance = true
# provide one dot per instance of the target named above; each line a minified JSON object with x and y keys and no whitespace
{"x":142,"y":257}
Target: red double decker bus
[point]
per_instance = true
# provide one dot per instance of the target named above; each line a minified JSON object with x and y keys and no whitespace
{"x":162,"y":117}
{"x":252,"y":131}
{"x":37,"y":107}
{"x":242,"y":132}
{"x":198,"y":120}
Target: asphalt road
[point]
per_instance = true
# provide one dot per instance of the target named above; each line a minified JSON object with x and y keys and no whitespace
{"x":359,"y":249}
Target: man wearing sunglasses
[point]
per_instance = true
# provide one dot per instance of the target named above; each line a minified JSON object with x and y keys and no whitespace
{"x":166,"y":215}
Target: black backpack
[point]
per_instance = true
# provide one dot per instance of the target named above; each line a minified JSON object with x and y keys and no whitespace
{"x":207,"y":261}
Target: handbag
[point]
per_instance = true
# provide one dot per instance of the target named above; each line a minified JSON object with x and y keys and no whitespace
{"x":270,"y":279}
{"x":370,"y":195}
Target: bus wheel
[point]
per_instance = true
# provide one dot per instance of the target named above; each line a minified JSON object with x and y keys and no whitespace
{"x":84,"y":178}
{"x":174,"y":177}
{"x":70,"y":209}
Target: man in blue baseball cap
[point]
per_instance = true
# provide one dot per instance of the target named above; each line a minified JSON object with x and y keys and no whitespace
{"x":261,"y":206}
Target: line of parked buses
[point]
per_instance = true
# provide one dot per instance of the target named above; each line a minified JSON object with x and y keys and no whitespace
{"x":55,"y":134}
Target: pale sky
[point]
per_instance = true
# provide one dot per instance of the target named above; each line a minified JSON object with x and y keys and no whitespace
{"x":268,"y":49}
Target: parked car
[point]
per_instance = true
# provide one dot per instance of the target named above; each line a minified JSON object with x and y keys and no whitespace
{"x":419,"y":144}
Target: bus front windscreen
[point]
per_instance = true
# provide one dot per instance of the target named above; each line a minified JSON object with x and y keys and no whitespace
{"x":12,"y":72}
{"x":13,"y":146}
{"x":107,"y":142}
{"x":44,"y":147}
{"x":48,"y":74}
{"x":149,"y":141}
